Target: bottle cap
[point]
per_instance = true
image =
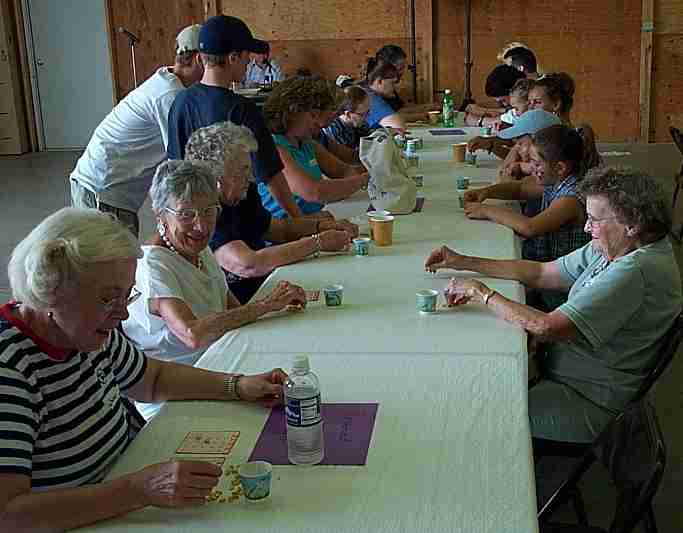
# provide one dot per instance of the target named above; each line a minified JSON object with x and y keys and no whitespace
{"x":447,"y":91}
{"x":301,"y":363}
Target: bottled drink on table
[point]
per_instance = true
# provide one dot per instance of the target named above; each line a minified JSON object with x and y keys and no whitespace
{"x":302,"y":410}
{"x":448,"y":114}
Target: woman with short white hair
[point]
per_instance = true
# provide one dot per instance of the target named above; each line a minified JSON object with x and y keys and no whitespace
{"x":186,"y":304}
{"x":244,"y":225}
{"x":66,"y":373}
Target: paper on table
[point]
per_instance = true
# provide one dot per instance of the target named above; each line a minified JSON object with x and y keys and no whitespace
{"x":448,"y":131}
{"x":347,"y":428}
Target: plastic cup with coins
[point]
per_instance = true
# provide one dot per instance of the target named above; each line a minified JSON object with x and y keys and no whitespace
{"x":361,"y":246}
{"x":426,"y":301}
{"x":334,"y":295}
{"x":256,"y":478}
{"x":434,"y":117}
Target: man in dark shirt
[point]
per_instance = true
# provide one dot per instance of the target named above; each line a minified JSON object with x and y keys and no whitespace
{"x":224,"y":44}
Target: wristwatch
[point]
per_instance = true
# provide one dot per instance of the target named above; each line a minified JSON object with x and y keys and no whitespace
{"x":230,"y":387}
{"x":481,"y":121}
{"x":488,"y":296}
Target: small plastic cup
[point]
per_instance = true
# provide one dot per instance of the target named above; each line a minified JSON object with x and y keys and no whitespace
{"x":256,"y":478}
{"x":361,"y":246}
{"x":462,"y":183}
{"x":434,"y":117}
{"x":334,"y":294}
{"x":383,"y":230}
{"x":461,"y":198}
{"x":426,"y":300}
{"x":400,"y":140}
{"x":459,"y":151}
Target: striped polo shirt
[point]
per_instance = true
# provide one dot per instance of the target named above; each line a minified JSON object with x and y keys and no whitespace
{"x":62,"y":419}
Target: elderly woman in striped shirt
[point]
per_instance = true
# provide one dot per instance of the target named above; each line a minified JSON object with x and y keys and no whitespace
{"x":66,"y":374}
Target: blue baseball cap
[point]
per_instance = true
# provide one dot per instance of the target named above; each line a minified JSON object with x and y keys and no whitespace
{"x":222,"y":35}
{"x":529,"y":123}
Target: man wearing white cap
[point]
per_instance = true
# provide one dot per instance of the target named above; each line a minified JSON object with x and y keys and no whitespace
{"x":115,"y":172}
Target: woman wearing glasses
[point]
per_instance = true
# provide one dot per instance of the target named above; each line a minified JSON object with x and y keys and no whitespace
{"x":186,"y":304}
{"x":348,"y":128}
{"x":66,"y":374}
{"x":624,"y":294}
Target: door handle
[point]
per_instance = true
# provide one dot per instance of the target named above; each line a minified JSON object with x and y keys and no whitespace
{"x":40,"y":62}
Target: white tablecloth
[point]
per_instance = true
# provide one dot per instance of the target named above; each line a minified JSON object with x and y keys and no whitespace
{"x":449,"y":452}
{"x":451,"y":448}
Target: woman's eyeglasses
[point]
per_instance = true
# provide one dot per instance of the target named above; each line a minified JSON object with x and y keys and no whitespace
{"x":190,"y":214}
{"x":592,"y":221}
{"x":124,"y":301}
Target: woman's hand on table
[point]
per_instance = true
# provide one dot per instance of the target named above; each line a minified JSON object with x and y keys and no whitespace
{"x":343,"y":225}
{"x":334,"y":240}
{"x":479,"y":143}
{"x":462,"y":291}
{"x":175,"y":483}
{"x":284,"y":294}
{"x":265,"y":388}
{"x":443,"y":257}
{"x":476,"y":210}
{"x":476,"y":195}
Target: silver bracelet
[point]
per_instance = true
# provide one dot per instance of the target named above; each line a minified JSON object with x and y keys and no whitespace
{"x":318,"y":246}
{"x":230,"y":387}
{"x":488,"y":297}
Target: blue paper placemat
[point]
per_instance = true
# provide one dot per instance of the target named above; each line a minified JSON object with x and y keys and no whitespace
{"x":447,"y":131}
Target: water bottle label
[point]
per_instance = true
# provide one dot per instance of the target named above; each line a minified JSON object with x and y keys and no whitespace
{"x":303,"y":412}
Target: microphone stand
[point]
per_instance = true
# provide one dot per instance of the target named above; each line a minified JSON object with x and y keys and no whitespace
{"x":132,"y":40}
{"x":467,"y":93}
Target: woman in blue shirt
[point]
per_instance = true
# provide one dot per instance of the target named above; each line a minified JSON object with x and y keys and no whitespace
{"x":382,"y":82}
{"x":296,"y":110}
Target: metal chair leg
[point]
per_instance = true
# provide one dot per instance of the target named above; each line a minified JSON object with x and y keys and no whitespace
{"x":649,"y":520}
{"x":579,"y":507}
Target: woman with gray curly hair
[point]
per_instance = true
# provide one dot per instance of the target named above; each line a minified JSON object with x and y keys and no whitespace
{"x":296,"y":111}
{"x":244,"y":225}
{"x":624,"y":294}
{"x":67,"y":374}
{"x":186,"y":304}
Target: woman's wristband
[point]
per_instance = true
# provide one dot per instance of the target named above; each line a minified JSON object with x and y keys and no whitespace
{"x":230,"y":387}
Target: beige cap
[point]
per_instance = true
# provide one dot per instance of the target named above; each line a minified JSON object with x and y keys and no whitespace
{"x":188,"y":39}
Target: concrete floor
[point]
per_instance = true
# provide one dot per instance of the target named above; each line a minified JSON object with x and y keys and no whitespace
{"x":35,"y":185}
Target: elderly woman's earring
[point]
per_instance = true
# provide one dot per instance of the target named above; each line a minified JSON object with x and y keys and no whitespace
{"x":161,"y":228}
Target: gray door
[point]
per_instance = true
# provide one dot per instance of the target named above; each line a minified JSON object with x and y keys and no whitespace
{"x":72,"y":69}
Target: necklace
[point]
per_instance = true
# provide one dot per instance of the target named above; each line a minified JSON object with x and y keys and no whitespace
{"x":200,"y":263}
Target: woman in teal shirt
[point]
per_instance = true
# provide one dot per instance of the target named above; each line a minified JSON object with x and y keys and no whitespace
{"x":296,"y":111}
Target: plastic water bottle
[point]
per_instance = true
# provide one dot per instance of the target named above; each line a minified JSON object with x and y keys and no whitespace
{"x":448,"y":113}
{"x":302,"y":410}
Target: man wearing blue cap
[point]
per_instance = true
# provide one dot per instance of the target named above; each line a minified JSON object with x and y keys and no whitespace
{"x":225,"y":44}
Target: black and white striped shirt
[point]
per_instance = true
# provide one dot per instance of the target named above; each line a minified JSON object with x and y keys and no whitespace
{"x":62,"y":420}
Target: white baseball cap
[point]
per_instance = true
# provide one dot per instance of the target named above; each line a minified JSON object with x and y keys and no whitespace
{"x":188,"y":39}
